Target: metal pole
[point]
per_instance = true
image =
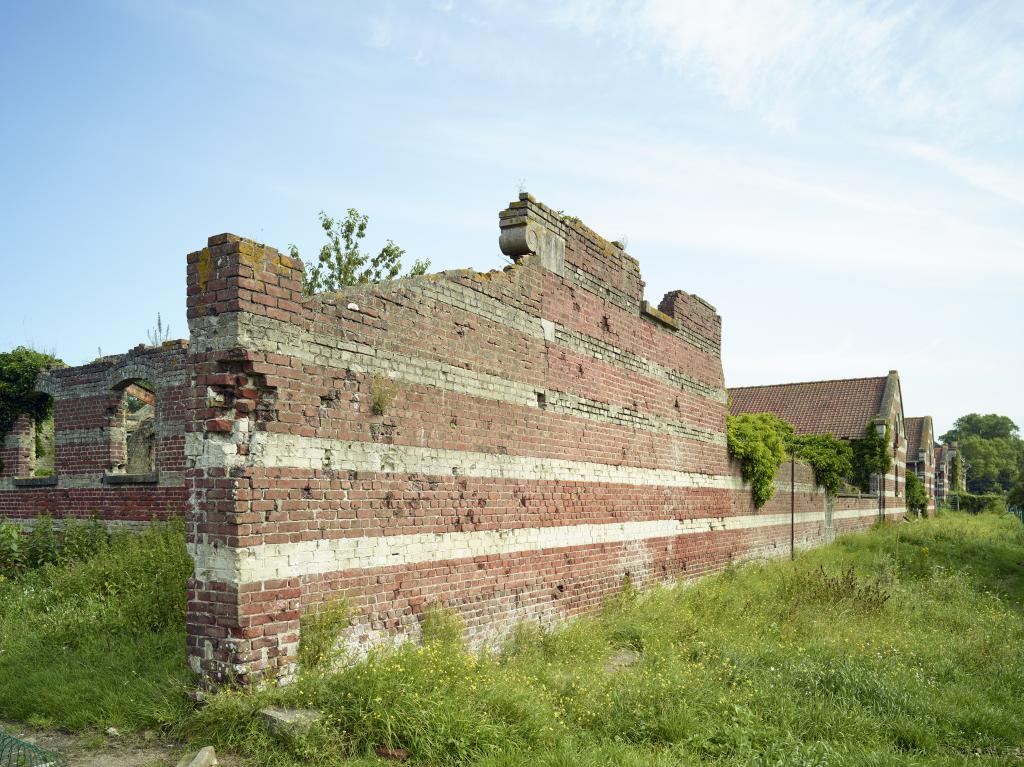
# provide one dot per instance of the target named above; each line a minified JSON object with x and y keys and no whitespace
{"x":792,"y":507}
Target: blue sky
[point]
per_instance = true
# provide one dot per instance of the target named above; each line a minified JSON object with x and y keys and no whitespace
{"x":844,"y":181}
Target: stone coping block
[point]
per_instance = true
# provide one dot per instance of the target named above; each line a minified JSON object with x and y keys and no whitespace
{"x":150,"y":478}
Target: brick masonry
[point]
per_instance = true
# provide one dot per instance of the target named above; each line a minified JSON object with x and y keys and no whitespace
{"x":90,"y":466}
{"x":510,"y":444}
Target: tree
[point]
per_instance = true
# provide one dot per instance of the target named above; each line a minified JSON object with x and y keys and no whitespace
{"x":342,"y":263}
{"x":19,"y":369}
{"x":992,"y":449}
{"x":1016,"y":496}
{"x":989,"y":426}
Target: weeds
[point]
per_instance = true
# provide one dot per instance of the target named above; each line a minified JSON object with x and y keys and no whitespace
{"x":98,"y":641}
{"x":382,"y":393}
{"x":862,"y":653}
{"x":321,"y":629}
{"x":868,"y":595}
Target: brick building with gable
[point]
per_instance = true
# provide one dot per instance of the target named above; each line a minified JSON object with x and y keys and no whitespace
{"x":844,"y":408}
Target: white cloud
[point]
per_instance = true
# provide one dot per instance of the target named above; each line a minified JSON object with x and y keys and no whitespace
{"x":706,"y":199}
{"x":924,"y":61}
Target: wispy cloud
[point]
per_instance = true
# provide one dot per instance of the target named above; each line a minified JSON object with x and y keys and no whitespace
{"x":910,"y":62}
{"x":1000,"y":181}
{"x":703,"y":198}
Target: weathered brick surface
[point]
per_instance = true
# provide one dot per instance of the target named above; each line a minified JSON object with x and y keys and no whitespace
{"x":511,"y":444}
{"x":90,"y":441}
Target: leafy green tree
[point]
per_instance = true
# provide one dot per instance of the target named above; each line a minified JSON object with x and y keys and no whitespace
{"x":342,"y":262}
{"x":989,"y":426}
{"x":19,"y":369}
{"x":992,"y":448}
{"x":1016,"y":496}
{"x":917,"y":496}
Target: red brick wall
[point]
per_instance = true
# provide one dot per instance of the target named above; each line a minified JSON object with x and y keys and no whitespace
{"x":548,"y":436}
{"x":88,"y":409}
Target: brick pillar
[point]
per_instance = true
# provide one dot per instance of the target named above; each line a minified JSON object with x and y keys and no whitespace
{"x":237,"y":630}
{"x":18,"y":448}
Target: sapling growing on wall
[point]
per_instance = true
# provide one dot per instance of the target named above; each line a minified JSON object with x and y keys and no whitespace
{"x":342,"y":263}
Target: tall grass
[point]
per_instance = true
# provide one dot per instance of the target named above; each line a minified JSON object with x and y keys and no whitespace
{"x":899,"y":646}
{"x":99,"y":642}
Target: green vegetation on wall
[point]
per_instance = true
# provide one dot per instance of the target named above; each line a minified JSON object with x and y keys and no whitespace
{"x":761,"y":443}
{"x":871,"y":456}
{"x":917,"y":496}
{"x":341,"y":263}
{"x":956,"y":468}
{"x":977,"y":503}
{"x":19,"y":370}
{"x":831,"y":458}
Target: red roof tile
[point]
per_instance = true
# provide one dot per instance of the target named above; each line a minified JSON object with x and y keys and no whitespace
{"x":915,"y":430}
{"x":842,"y":407}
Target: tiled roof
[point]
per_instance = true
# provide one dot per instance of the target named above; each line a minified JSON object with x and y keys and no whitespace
{"x":915,"y":429}
{"x":842,"y":407}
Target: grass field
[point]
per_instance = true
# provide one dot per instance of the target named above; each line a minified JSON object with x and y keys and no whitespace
{"x":902,"y":645}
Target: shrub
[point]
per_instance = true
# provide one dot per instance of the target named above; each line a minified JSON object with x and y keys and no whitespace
{"x":759,"y":442}
{"x":321,"y":628}
{"x":831,"y":458}
{"x":42,"y":546}
{"x":99,"y":642}
{"x":917,"y":496}
{"x":975,"y":504}
{"x":19,"y":370}
{"x":82,"y":540}
{"x":13,"y":550}
{"x":866,"y":594}
{"x":871,"y":456}
{"x":442,"y":625}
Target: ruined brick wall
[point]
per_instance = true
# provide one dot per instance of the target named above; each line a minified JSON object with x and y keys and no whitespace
{"x":511,"y":445}
{"x":90,"y":467}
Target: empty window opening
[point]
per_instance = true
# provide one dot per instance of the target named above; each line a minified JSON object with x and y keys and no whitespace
{"x":137,"y":414}
{"x":34,"y":438}
{"x":44,"y":462}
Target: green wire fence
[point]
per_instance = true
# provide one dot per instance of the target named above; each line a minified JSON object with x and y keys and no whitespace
{"x":18,"y":753}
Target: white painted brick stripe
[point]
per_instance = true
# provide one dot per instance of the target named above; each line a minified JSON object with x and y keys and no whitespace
{"x":292,"y":560}
{"x":292,"y":451}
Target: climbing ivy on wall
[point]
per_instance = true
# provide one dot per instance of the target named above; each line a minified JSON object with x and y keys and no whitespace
{"x":871,"y":456}
{"x":955,"y":469}
{"x":831,"y":458}
{"x":18,"y":372}
{"x":760,"y":442}
{"x":917,"y":496}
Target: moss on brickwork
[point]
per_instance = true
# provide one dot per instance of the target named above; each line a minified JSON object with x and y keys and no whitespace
{"x":204,"y":267}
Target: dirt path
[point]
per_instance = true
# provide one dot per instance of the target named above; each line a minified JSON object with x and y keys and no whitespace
{"x":100,"y":750}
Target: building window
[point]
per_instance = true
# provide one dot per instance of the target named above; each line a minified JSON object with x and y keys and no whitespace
{"x":135,"y":428}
